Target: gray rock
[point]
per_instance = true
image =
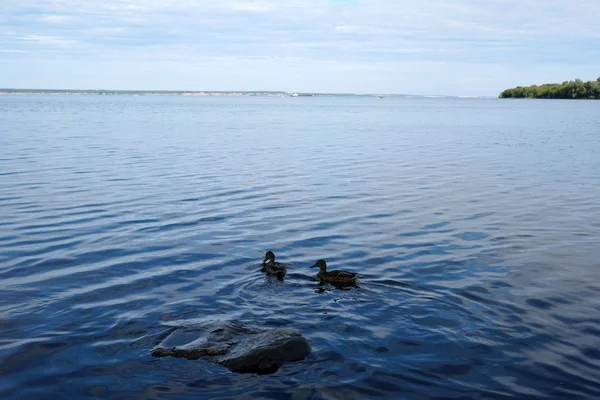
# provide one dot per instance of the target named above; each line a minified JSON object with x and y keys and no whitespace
{"x":235,"y":346}
{"x":266,"y":351}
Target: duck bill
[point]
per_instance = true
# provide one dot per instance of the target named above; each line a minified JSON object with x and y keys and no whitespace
{"x":266,"y":261}
{"x":313,"y":266}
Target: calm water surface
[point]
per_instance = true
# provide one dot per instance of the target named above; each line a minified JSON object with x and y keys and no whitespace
{"x":474,"y":224}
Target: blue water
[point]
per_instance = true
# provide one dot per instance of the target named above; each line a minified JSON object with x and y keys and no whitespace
{"x":474,"y":225}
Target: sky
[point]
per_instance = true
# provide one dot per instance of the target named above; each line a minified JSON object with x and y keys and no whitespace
{"x":429,"y":47}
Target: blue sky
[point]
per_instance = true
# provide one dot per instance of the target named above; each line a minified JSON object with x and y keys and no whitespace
{"x":454,"y":47}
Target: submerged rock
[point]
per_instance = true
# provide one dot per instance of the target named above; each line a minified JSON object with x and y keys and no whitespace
{"x":235,"y":346}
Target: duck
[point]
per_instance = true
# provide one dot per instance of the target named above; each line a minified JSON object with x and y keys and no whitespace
{"x":335,"y":276}
{"x":273,"y":268}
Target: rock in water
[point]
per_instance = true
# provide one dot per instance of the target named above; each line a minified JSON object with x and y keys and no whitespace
{"x":235,"y":346}
{"x":265,"y":352}
{"x":195,"y":340}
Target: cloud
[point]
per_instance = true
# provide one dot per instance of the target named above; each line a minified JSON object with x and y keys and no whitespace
{"x":363,"y":30}
{"x":345,"y":35}
{"x":49,"y":41}
{"x":251,"y":6}
{"x":55,"y":19}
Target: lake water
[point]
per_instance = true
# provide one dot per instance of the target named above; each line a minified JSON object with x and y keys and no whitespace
{"x":474,"y":225}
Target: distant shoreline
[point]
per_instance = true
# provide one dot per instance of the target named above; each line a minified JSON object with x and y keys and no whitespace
{"x":207,"y":93}
{"x":142,"y":92}
{"x":568,"y":90}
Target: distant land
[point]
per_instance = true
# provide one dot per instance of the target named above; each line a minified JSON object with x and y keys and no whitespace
{"x":576,"y":89}
{"x":102,"y":92}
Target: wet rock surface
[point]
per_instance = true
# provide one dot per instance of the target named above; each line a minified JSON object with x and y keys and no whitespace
{"x":234,"y":345}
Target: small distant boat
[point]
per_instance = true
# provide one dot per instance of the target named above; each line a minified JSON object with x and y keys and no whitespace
{"x":380,"y":96}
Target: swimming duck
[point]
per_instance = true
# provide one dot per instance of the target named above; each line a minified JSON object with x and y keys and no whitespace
{"x":335,"y":276}
{"x":273,"y":268}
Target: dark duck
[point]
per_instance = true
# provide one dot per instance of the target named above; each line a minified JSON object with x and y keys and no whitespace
{"x":271,"y":267}
{"x":335,"y":276}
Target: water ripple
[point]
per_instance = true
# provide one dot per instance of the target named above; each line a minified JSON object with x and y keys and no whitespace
{"x":470,"y":222}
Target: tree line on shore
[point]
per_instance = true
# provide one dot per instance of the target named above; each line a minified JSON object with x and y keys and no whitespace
{"x":576,"y":89}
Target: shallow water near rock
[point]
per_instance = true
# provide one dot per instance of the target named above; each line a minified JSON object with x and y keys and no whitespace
{"x":473,"y":223}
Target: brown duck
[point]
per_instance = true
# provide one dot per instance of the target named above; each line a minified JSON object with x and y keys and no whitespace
{"x":335,"y":276}
{"x":273,"y":268}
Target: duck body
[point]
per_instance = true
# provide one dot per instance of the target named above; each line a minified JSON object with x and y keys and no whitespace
{"x":335,"y":276}
{"x":271,"y":267}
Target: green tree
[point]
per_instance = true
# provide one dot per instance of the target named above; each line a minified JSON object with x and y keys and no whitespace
{"x":576,"y":89}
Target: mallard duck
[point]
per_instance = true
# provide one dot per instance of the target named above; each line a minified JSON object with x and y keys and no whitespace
{"x":273,"y":268}
{"x":335,"y":276}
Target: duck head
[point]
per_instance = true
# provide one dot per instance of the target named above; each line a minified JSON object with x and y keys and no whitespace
{"x":321,"y":264}
{"x":269,"y":258}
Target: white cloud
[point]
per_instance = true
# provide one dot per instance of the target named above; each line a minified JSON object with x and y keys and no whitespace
{"x":360,"y":30}
{"x":107,"y":30}
{"x":55,"y":19}
{"x":342,"y":35}
{"x":251,"y":6}
{"x":52,"y":41}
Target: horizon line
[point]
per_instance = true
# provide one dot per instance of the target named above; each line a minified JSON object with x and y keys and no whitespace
{"x":275,"y":92}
